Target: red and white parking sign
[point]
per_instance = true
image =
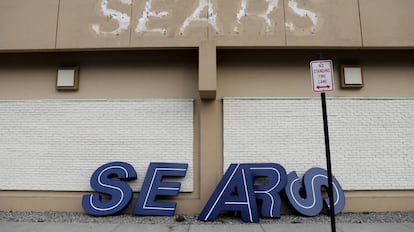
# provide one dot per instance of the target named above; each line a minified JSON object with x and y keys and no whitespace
{"x":322,"y":75}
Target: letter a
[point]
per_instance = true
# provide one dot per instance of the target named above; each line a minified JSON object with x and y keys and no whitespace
{"x":235,"y":192}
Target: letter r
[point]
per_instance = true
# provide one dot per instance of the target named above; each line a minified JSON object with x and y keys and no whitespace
{"x":268,"y":192}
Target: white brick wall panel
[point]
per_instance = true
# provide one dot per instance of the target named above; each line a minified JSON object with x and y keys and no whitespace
{"x":57,"y":144}
{"x":371,"y":139}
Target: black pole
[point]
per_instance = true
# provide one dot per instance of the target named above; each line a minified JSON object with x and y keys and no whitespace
{"x":328,"y":164}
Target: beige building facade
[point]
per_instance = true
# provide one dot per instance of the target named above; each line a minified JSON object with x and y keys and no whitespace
{"x":215,"y":65}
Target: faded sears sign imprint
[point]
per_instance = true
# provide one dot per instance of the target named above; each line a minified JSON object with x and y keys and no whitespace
{"x":207,"y":11}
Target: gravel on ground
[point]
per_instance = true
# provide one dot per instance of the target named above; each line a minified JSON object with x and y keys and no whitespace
{"x":68,"y":217}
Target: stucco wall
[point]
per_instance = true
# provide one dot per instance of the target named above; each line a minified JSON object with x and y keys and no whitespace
{"x":113,"y":75}
{"x":117,"y":78}
{"x":285,"y":74}
{"x":129,"y":81}
{"x":115,"y":24}
{"x":171,"y":74}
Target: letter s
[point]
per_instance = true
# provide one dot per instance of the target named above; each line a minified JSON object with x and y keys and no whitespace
{"x":312,"y":203}
{"x":122,"y":18}
{"x":102,"y":181}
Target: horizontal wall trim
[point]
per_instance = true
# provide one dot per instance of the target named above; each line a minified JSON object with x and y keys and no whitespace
{"x":318,"y":98}
{"x":103,"y":100}
{"x":357,"y":201}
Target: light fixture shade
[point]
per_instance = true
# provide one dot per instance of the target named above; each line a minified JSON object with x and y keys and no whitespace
{"x":351,"y":76}
{"x":67,"y":78}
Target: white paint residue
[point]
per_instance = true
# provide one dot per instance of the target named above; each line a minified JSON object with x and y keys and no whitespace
{"x":272,"y":4}
{"x":129,"y":2}
{"x":122,"y":18}
{"x":302,"y":13}
{"x":142,"y":22}
{"x":242,"y":12}
{"x":290,"y":26}
{"x":196,"y":16}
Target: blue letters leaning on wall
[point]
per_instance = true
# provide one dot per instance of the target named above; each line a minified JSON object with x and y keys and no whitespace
{"x":313,"y":181}
{"x":120,"y":193}
{"x":240,"y":189}
{"x":237,"y":192}
{"x":153,"y":186}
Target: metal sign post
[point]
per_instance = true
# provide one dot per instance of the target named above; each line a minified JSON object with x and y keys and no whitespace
{"x":322,"y":81}
{"x":328,"y":164}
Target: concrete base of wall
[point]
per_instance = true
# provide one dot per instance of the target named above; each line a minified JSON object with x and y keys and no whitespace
{"x":379,"y":201}
{"x":356,"y":201}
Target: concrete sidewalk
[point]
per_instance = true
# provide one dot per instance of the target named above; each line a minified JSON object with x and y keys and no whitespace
{"x":84,"y":227}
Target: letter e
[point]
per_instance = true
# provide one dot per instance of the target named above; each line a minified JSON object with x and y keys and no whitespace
{"x":153,"y":186}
